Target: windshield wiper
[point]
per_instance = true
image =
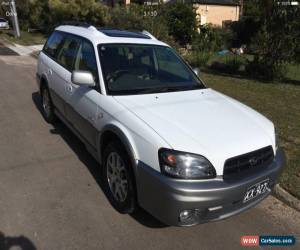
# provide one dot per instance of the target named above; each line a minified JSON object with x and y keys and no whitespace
{"x":167,"y":89}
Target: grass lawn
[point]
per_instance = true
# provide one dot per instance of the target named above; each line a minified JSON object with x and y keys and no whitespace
{"x":280,"y":103}
{"x":25,"y":39}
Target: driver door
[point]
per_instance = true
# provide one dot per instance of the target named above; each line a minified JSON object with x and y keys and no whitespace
{"x":83,"y":101}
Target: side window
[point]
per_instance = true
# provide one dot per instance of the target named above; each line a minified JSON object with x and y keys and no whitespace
{"x":67,"y":54}
{"x":86,"y":59}
{"x":53,"y":44}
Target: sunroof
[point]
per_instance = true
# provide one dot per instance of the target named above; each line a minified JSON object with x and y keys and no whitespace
{"x":123,"y":33}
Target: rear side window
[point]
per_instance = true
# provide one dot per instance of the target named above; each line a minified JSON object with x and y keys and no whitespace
{"x":53,"y":44}
{"x":67,"y":54}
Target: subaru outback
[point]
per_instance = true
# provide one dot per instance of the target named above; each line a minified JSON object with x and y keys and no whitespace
{"x":164,"y":141}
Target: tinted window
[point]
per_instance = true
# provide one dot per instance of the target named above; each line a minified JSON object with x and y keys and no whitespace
{"x":86,"y":59}
{"x":136,"y":69}
{"x":169,"y":63}
{"x":67,"y":54}
{"x":53,"y":44}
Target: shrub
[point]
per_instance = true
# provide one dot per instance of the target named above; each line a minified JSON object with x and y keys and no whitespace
{"x":181,"y":22}
{"x":212,"y":39}
{"x":47,"y":14}
{"x":229,"y":64}
{"x":132,"y":18}
{"x":204,"y":44}
{"x":90,"y":11}
{"x":245,"y":29}
{"x":277,"y":41}
{"x":259,"y":68}
{"x":197,"y":58}
{"x":23,"y":8}
{"x":233,"y":64}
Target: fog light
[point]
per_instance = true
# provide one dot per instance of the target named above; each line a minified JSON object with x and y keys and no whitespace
{"x":189,"y":217}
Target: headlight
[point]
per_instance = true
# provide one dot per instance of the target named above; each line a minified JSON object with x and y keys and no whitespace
{"x":185,"y":165}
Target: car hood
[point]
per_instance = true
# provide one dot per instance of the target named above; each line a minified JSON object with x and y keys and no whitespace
{"x":203,"y":122}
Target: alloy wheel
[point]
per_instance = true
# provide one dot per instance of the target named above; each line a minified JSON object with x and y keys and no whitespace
{"x":117,"y":176}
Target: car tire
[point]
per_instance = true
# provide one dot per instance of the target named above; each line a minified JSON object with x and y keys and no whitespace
{"x":47,"y":105}
{"x":118,"y":178}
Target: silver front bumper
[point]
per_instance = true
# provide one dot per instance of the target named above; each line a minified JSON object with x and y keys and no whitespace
{"x":166,"y":197}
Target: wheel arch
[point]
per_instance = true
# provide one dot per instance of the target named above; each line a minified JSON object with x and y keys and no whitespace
{"x":112,"y":131}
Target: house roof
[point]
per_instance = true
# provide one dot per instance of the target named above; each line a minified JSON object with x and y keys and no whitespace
{"x":217,"y":2}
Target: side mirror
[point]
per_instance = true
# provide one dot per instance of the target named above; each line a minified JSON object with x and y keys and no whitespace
{"x":196,"y":71}
{"x":83,"y":78}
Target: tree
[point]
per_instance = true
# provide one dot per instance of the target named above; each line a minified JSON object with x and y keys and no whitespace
{"x":46,"y":14}
{"x":181,"y":21}
{"x":252,"y":8}
{"x":277,"y":41}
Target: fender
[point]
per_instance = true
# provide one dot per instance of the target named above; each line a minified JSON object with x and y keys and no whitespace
{"x":129,"y":146}
{"x":43,"y":77}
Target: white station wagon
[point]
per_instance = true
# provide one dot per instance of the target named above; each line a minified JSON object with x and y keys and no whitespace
{"x":184,"y":152}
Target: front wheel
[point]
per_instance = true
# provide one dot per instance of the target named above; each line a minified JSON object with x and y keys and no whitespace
{"x":118,"y":178}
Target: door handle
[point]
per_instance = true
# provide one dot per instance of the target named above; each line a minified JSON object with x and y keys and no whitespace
{"x":50,"y":72}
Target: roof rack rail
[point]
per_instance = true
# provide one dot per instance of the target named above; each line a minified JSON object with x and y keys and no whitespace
{"x":81,"y":24}
{"x":77,"y":23}
{"x":113,"y":32}
{"x":145,"y":32}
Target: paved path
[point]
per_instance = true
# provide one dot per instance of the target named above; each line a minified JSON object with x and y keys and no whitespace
{"x":51,"y":196}
{"x":7,"y":48}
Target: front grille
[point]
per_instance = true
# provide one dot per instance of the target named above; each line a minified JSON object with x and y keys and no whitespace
{"x":254,"y":161}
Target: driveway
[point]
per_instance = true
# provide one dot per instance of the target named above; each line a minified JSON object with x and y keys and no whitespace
{"x":51,"y":195}
{"x":5,"y":51}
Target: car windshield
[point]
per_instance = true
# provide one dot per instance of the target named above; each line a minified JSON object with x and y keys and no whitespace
{"x":139,"y":69}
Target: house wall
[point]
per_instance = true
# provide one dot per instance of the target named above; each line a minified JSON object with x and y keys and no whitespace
{"x":216,"y":14}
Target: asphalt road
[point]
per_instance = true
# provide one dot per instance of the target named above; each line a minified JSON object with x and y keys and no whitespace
{"x":51,"y":195}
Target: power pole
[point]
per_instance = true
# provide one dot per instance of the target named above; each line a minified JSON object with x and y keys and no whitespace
{"x":15,"y":20}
